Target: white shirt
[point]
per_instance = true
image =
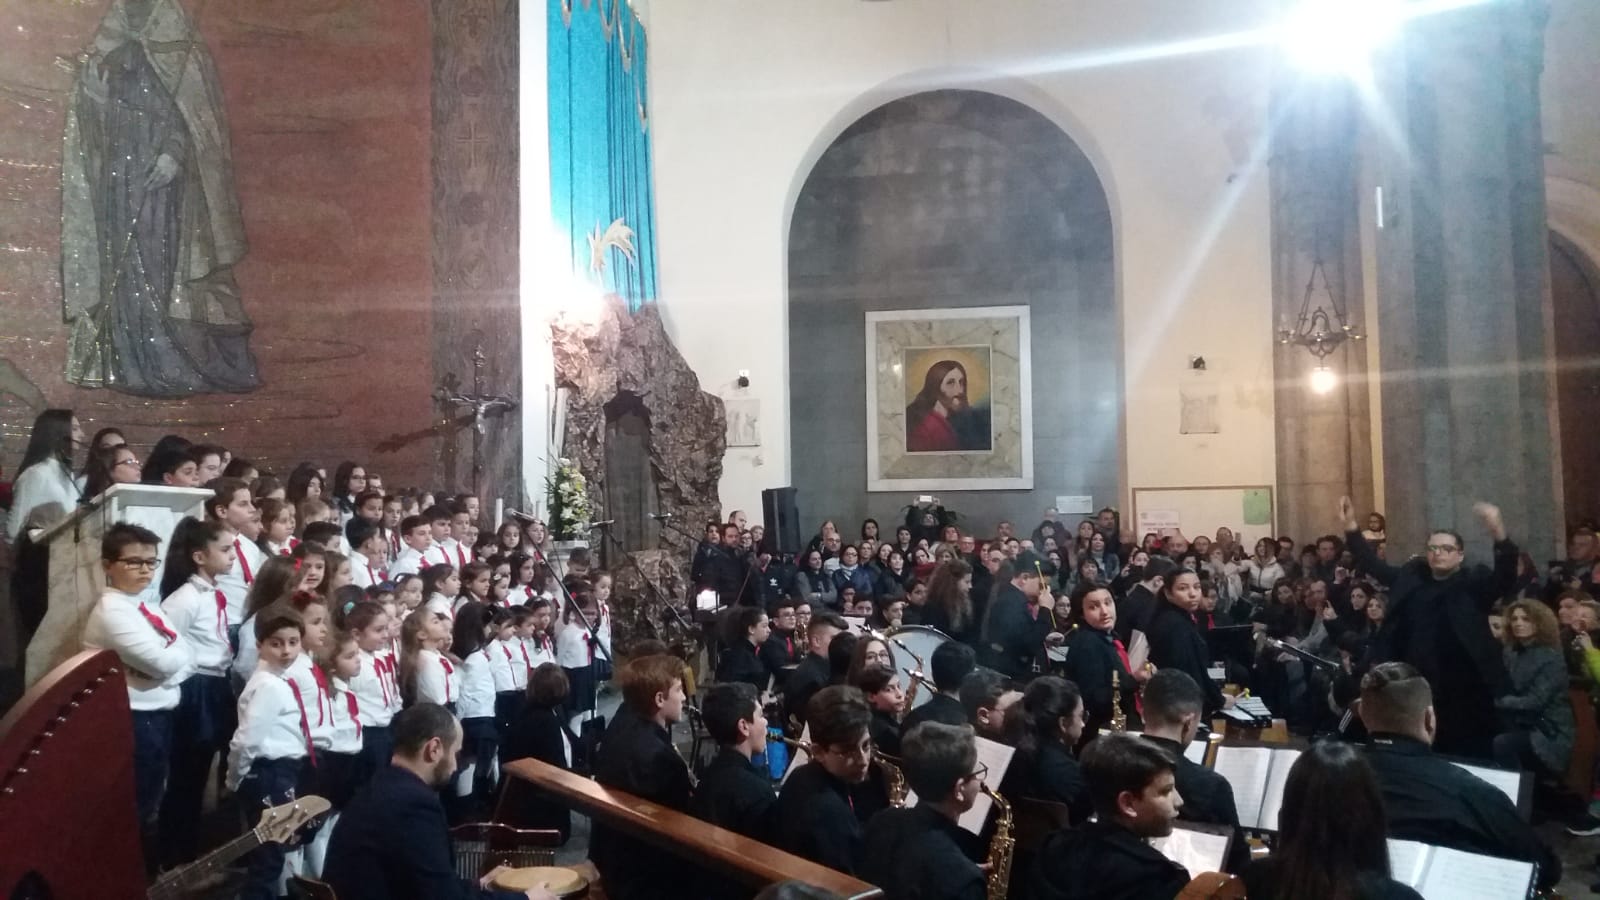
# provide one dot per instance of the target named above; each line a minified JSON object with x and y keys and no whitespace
{"x":362,"y":573}
{"x":235,"y":582}
{"x":504,"y":660}
{"x":440,"y":604}
{"x":271,"y":549}
{"x":476,"y":698}
{"x":269,"y":724}
{"x":249,"y":655}
{"x":407,"y":562}
{"x":517,"y":665}
{"x":459,"y":554}
{"x":319,"y":704}
{"x":157,"y":662}
{"x":344,"y":734}
{"x":375,"y":690}
{"x":438,"y":554}
{"x":572,"y":646}
{"x":43,"y":494}
{"x":195,"y":613}
{"x":540,"y":649}
{"x":436,"y":678}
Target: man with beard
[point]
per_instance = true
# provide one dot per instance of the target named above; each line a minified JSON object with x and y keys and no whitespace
{"x":392,"y":841}
{"x":940,"y":418}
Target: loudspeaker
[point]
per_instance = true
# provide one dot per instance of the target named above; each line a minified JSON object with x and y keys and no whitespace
{"x":782,"y":520}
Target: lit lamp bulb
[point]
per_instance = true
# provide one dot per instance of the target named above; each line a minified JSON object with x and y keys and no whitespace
{"x":1323,"y":380}
{"x":1340,"y":36}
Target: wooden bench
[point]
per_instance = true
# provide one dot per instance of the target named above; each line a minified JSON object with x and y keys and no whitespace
{"x":747,"y":861}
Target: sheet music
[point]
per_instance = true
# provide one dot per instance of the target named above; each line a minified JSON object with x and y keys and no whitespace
{"x":1440,"y":873}
{"x":1282,"y":762}
{"x":1508,"y":782}
{"x":1217,"y":673}
{"x":1138,"y":651}
{"x":1246,"y":769}
{"x":1407,"y":861}
{"x":1056,"y":654}
{"x":997,"y":757}
{"x":853,"y":624}
{"x":1197,"y":851}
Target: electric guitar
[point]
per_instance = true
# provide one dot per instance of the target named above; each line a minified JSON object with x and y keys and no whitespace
{"x":278,"y":826}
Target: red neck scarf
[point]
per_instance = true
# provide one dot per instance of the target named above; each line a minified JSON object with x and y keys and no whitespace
{"x":160,"y":626}
{"x":244,"y":563}
{"x":305,"y":724}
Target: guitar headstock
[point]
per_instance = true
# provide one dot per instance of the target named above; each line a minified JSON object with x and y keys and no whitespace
{"x":279,"y":824}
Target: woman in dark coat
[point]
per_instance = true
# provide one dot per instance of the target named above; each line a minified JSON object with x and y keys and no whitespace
{"x":539,"y":731}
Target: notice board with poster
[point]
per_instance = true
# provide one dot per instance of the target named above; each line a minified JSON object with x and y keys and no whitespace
{"x":1248,"y":510}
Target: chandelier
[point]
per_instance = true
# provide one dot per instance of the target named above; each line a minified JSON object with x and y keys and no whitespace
{"x":1322,"y":327}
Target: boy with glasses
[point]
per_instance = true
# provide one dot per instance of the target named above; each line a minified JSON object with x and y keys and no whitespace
{"x":816,"y":810}
{"x":129,"y":621}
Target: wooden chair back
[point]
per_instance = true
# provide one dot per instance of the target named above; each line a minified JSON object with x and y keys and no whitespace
{"x":747,"y":861}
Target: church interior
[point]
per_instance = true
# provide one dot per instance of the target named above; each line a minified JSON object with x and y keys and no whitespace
{"x":682,"y":324}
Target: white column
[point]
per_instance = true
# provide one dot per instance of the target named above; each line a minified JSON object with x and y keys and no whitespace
{"x":535,"y":258}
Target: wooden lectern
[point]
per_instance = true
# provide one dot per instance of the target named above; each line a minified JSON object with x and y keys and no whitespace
{"x":76,"y":578}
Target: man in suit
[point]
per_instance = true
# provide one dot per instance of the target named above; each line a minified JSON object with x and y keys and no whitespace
{"x":1431,"y":799}
{"x":1143,"y":599}
{"x":1172,"y":707}
{"x":392,"y":842}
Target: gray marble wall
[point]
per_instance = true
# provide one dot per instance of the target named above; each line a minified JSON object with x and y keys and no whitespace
{"x":953,"y":199}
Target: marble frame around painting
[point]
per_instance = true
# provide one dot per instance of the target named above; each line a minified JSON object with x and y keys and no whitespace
{"x":1008,"y":463}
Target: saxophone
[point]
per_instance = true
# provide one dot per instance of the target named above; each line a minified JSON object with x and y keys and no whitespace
{"x":1000,"y":847}
{"x":911,"y":692}
{"x":893,"y":777}
{"x":1119,"y":716}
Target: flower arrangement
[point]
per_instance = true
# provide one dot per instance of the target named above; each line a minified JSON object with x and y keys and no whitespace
{"x":567,"y":496}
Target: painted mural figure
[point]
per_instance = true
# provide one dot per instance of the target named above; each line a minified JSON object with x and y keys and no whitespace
{"x":150,"y":222}
{"x":941,"y":419}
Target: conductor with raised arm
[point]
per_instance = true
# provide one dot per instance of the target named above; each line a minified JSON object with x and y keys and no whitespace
{"x":1438,"y":622}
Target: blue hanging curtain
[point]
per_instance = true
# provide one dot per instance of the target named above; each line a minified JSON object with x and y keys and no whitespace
{"x":600,"y":182}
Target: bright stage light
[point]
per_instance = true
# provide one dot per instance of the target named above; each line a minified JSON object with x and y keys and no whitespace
{"x":1339,"y":36}
{"x":1323,"y":380}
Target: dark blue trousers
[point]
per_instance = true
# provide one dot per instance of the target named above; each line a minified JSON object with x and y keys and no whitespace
{"x":269,"y":783}
{"x":202,"y":725}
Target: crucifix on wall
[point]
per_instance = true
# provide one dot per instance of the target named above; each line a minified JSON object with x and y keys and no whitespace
{"x":479,"y":405}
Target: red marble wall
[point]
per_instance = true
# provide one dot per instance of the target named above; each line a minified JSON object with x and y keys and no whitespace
{"x":328,"y":103}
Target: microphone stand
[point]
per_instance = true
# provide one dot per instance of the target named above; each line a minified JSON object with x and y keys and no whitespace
{"x":588,"y":626}
{"x":655,"y":592}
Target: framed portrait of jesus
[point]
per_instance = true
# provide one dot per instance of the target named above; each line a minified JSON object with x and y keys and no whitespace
{"x":949,"y":399}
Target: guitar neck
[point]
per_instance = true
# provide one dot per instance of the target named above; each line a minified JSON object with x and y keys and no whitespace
{"x":178,"y":882}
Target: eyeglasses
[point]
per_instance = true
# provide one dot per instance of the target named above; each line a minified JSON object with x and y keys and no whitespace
{"x":146,"y":564}
{"x":1443,"y":548}
{"x":127,"y":462}
{"x":858,"y":751}
{"x":981,"y":773}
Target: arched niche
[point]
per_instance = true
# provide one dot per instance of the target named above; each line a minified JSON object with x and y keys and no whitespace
{"x":941,"y":199}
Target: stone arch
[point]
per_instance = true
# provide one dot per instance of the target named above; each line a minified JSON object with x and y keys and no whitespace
{"x":947,"y":198}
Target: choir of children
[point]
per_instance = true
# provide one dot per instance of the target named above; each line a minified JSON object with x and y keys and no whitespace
{"x":284,"y":657}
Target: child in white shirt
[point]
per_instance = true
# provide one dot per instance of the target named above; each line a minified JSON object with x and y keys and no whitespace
{"x":206,"y":716}
{"x":338,"y":769}
{"x":155,"y":657}
{"x":374,"y":684}
{"x":271,"y":748}
{"x":427,"y":670}
{"x":473,"y":638}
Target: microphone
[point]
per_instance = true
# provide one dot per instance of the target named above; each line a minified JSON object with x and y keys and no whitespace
{"x":605,"y":524}
{"x":520,"y":516}
{"x":661,"y":517}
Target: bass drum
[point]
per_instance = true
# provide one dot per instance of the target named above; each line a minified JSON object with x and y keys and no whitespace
{"x":918,"y":641}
